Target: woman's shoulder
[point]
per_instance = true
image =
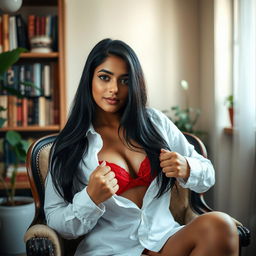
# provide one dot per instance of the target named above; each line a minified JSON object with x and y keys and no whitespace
{"x":156,"y":115}
{"x":160,"y":119}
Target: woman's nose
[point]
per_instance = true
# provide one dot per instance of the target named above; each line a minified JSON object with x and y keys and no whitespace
{"x":113,"y":86}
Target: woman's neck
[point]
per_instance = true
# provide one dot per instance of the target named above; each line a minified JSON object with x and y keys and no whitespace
{"x":106,"y":119}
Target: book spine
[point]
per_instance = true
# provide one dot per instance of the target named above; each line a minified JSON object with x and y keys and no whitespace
{"x":19,"y":112}
{"x":22,"y":35}
{"x":5,"y":32}
{"x":4,"y":113}
{"x":42,"y":111}
{"x":12,"y":33}
{"x":24,"y":112}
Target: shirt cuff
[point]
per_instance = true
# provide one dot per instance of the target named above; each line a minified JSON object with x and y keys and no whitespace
{"x":195,"y":173}
{"x":85,"y":208}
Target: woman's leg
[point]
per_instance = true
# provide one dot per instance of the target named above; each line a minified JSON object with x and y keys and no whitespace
{"x":211,"y":234}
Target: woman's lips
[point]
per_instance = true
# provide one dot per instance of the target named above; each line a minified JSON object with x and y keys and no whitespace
{"x":111,"y":101}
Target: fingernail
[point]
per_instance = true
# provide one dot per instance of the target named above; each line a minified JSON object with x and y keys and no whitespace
{"x":103,"y":163}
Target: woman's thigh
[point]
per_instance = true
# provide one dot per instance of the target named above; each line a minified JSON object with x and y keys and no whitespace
{"x":203,"y":233}
{"x":181,"y":243}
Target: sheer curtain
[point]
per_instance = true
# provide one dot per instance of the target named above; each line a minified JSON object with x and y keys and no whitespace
{"x":243,"y":175}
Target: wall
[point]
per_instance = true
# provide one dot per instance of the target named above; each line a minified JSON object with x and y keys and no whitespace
{"x":164,"y":34}
{"x":206,"y":78}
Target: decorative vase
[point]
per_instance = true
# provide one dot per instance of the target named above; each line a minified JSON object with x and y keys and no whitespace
{"x":14,"y":221}
{"x":10,"y":6}
{"x":41,"y":44}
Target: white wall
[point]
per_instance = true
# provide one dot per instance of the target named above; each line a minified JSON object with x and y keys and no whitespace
{"x":174,"y":40}
{"x":163,"y":33}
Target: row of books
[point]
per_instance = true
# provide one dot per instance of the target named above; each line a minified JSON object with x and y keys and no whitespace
{"x":40,"y":76}
{"x":16,"y":32}
{"x":22,"y":112}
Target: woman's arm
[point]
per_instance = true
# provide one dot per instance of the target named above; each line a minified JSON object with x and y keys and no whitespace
{"x":201,"y":172}
{"x":70,"y":219}
{"x":201,"y":175}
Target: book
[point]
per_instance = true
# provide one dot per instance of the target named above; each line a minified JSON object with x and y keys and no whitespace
{"x":12,"y":111}
{"x":46,"y":86}
{"x":31,"y":26}
{"x":13,"y":43}
{"x":22,"y":32}
{"x":42,"y":111}
{"x":5,"y":18}
{"x":54,"y":33}
{"x":21,"y":173}
{"x":21,"y":169}
{"x":37,"y":78}
{"x":19,"y":111}
{"x":4,"y":104}
{"x":24,"y":112}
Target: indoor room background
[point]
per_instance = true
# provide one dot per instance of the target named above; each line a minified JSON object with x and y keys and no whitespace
{"x":192,"y":40}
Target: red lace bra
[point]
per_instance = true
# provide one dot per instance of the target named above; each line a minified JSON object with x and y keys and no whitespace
{"x":124,"y":179}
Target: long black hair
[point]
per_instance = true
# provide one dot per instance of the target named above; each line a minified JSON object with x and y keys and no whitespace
{"x":72,"y":144}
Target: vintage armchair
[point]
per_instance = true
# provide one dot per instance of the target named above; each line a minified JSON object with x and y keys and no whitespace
{"x":41,"y":240}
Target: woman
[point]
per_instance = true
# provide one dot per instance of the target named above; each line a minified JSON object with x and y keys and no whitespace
{"x":114,"y":164}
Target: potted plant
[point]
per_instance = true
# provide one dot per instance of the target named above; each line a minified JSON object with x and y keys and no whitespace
{"x":230,"y":104}
{"x":17,"y":145}
{"x":16,"y":213}
{"x":185,"y":118}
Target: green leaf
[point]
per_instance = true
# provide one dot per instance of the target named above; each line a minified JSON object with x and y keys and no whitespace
{"x":20,"y":152}
{"x":17,"y":93}
{"x":13,"y":91}
{"x":188,"y":127}
{"x":32,"y":85}
{"x":9,"y":58}
{"x":2,"y":121}
{"x":175,"y":108}
{"x":2,"y":109}
{"x":229,"y":101}
{"x":13,"y":138}
{"x":25,"y":145}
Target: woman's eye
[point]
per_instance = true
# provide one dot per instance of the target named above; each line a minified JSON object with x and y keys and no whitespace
{"x":124,"y":81}
{"x":104,"y":77}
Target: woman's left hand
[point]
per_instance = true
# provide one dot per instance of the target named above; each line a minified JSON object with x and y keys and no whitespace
{"x":174,"y":165}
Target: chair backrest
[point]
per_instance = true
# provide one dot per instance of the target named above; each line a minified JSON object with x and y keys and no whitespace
{"x":37,"y":167}
{"x":186,"y":204}
{"x":183,"y":205}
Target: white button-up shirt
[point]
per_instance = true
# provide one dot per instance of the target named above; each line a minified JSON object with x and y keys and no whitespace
{"x":118,"y":226}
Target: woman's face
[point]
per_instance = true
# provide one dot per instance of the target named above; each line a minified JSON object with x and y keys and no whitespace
{"x":110,"y":84}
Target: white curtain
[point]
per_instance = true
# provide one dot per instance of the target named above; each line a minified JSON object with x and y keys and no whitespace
{"x":243,"y":175}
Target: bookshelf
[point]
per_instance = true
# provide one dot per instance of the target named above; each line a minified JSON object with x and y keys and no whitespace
{"x":32,"y":55}
{"x":51,"y":115}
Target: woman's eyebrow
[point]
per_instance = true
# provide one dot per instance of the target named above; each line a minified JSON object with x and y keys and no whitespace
{"x":106,"y":71}
{"x":110,"y":73}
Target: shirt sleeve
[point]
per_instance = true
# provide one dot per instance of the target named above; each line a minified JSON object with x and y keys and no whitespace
{"x":70,"y":220}
{"x":202,"y":175}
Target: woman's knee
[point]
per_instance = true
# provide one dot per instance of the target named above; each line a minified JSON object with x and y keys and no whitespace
{"x":217,"y":222}
{"x":219,"y":229}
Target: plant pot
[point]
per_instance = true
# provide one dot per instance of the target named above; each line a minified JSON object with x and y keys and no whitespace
{"x":14,"y":221}
{"x":231,"y":116}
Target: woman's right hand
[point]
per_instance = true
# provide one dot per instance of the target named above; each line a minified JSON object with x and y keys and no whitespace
{"x":102,"y":184}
